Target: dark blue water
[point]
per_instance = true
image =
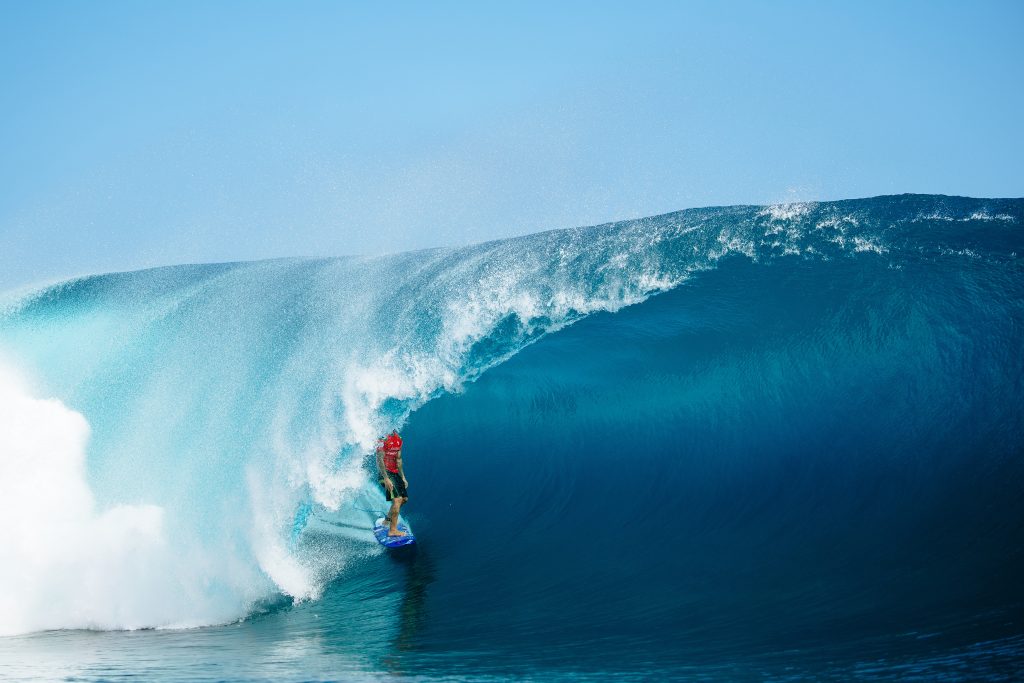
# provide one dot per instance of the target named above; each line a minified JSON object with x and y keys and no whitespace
{"x":785,"y":466}
{"x":823,"y":465}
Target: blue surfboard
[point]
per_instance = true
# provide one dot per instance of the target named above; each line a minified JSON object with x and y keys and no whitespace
{"x":380,"y":530}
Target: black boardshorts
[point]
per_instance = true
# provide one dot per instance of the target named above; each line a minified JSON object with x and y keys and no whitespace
{"x":400,"y":490}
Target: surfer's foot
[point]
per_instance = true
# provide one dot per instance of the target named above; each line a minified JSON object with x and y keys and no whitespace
{"x":395,"y":532}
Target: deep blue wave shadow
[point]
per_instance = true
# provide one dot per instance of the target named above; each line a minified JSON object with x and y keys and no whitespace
{"x":803,"y":457}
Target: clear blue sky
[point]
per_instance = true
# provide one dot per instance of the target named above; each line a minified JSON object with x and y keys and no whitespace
{"x":135,"y":134}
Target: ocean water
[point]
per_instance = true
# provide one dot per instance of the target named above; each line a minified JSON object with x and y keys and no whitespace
{"x":745,"y":443}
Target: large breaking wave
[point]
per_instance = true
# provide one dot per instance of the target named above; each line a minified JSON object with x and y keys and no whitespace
{"x":815,"y":381}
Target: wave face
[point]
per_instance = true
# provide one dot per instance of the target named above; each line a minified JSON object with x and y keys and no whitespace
{"x":812,"y":435}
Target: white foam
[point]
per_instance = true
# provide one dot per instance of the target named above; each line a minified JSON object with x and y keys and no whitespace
{"x":976,"y":216}
{"x":730,"y":243}
{"x":985,"y":216}
{"x":934,"y":216}
{"x":861,"y":244}
{"x":66,"y":564}
{"x":787,"y":212}
{"x":969,"y":253}
{"x":839,"y":223}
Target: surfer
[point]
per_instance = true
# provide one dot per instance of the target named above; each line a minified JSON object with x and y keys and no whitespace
{"x":392,"y":478}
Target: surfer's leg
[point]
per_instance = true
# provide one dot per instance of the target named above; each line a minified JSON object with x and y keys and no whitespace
{"x":393,"y":513}
{"x":396,"y":505}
